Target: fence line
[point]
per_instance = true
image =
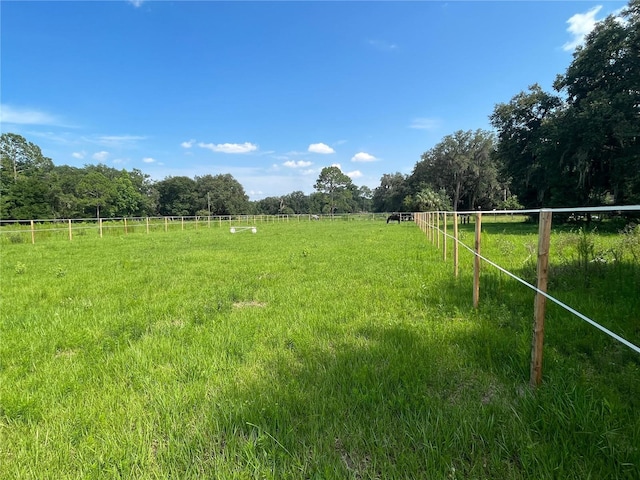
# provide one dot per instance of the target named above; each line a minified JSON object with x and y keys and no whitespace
{"x":431,"y":228}
{"x":619,"y":208}
{"x":556,"y":301}
{"x":19,"y":230}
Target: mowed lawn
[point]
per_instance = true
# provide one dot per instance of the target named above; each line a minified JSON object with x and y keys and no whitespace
{"x":307,"y":350}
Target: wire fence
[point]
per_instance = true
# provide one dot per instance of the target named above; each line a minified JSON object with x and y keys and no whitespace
{"x":579,"y":223}
{"x":37,"y":230}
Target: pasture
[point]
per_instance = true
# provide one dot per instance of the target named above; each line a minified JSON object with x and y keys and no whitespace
{"x":313,"y":350}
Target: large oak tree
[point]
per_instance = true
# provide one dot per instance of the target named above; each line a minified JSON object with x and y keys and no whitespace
{"x":463,"y":166}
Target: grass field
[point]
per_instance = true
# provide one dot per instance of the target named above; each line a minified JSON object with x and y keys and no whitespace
{"x":313,"y":350}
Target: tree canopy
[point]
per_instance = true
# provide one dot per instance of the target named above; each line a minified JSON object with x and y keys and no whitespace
{"x":390,"y":195}
{"x":462,"y":166}
{"x":335,"y":185}
{"x":583,"y":149}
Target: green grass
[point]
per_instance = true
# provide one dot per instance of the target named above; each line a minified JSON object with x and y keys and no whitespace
{"x":308,"y":350}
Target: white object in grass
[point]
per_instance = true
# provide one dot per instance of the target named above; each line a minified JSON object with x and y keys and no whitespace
{"x":243,"y":229}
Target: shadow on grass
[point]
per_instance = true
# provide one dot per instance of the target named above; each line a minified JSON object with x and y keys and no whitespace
{"x":445,"y":398}
{"x":384,"y":402}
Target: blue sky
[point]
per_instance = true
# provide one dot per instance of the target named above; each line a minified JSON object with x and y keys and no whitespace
{"x":271,"y":92}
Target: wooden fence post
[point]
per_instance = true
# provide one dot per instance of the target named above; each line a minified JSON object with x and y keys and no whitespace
{"x":433,"y":229}
{"x":100,"y":226}
{"x":438,"y":229}
{"x":444,"y":236}
{"x":166,"y":224}
{"x":182,"y":222}
{"x":426,"y":225}
{"x":33,"y":233}
{"x":70,"y":234}
{"x":455,"y":243}
{"x":544,"y":241}
{"x":125,"y":226}
{"x":476,"y":263}
{"x":147,"y":221}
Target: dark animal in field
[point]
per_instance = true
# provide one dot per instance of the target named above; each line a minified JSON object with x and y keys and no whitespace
{"x":393,"y":217}
{"x":407,"y":217}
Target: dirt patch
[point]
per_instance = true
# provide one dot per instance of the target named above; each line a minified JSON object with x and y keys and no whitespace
{"x":249,"y":304}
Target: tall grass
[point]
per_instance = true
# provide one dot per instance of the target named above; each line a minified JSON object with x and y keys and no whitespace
{"x":308,"y":350}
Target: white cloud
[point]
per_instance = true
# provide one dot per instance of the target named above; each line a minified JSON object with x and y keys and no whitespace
{"x":136,"y":3}
{"x":424,"y":123}
{"x":229,"y":147}
{"x":100,"y":156}
{"x":298,"y":164}
{"x":25,"y":116}
{"x":188,"y":144}
{"x":116,"y":140}
{"x":383,"y":45}
{"x":62,"y":138}
{"x":320,"y":148}
{"x":580,"y":25}
{"x":354,"y":174}
{"x":148,"y":160}
{"x":79,"y":155}
{"x":363,"y":157}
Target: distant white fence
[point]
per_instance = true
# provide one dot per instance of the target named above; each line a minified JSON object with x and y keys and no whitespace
{"x":31,"y":231}
{"x":434,"y":224}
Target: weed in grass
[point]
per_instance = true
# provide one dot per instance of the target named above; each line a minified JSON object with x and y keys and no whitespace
{"x":586,"y":250}
{"x":16,"y":238}
{"x":631,"y":241}
{"x":20,"y":268}
{"x":60,"y":271}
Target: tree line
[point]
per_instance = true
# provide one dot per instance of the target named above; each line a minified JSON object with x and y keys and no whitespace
{"x":576,"y":146}
{"x":32,"y":187}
